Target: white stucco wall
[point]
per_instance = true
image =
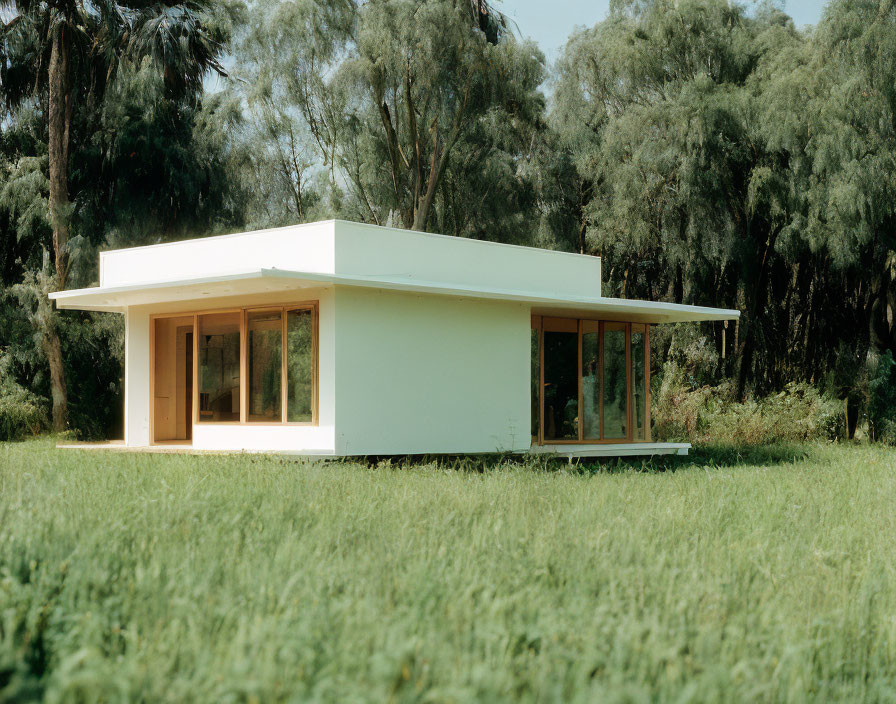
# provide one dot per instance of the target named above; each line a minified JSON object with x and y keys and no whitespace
{"x":301,"y":247}
{"x":398,"y":374}
{"x":369,"y":250}
{"x":136,"y":378}
{"x":430,"y":374}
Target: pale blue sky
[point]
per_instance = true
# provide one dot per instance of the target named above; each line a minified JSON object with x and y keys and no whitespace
{"x":549,"y":22}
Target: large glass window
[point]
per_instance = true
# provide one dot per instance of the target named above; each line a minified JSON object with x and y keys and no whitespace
{"x":219,"y":367}
{"x":257,"y":365}
{"x":591,"y":379}
{"x":265,"y":369}
{"x":591,"y":382}
{"x":561,"y":382}
{"x":639,"y":382}
{"x":300,"y":365}
{"x":615,"y":382}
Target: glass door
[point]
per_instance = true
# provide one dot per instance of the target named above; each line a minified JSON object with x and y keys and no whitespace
{"x":614,"y":373}
{"x":593,"y":378}
{"x":560,"y":386}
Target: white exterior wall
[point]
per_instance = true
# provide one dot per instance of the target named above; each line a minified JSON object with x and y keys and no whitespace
{"x":369,"y":250}
{"x":430,"y":374}
{"x":319,"y":439}
{"x":301,"y":247}
{"x":398,"y":374}
{"x":136,"y":378}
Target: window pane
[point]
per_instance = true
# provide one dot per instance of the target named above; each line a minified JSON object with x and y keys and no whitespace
{"x":615,"y":406}
{"x":639,"y":383}
{"x":219,"y":367}
{"x":264,"y":368}
{"x":536,"y":380}
{"x":299,"y":360}
{"x":561,"y":385}
{"x":591,"y":383}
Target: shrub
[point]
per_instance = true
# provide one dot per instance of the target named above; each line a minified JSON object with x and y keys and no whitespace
{"x":880,"y":401}
{"x":22,"y":413}
{"x":712,"y":413}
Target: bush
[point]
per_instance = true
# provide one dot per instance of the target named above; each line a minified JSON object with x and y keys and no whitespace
{"x":22,"y":413}
{"x":712,"y":413}
{"x":880,"y":398}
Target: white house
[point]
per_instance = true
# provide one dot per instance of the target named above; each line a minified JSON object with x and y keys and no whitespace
{"x":336,"y":338}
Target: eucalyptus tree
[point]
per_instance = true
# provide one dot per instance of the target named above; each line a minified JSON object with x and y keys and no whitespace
{"x":419,"y":108}
{"x":851,"y":205}
{"x":829,"y":104}
{"x":67,"y":51}
{"x":684,"y":200}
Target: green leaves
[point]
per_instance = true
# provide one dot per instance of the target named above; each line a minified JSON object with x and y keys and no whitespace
{"x":732,"y":160}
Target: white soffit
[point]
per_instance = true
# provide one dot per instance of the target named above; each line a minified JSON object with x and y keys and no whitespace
{"x":118,"y":298}
{"x":266,"y":280}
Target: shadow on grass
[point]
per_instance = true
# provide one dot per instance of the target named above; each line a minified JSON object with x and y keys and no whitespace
{"x":711,"y":455}
{"x":714,"y":455}
{"x":728,"y":455}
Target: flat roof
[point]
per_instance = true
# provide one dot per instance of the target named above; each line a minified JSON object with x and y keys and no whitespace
{"x":264,"y":280}
{"x":355,"y":250}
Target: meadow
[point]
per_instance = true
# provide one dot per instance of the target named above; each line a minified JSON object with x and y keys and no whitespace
{"x":731,"y":575}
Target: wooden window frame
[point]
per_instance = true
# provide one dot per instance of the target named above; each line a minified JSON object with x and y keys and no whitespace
{"x":284,"y":308}
{"x":579,"y":325}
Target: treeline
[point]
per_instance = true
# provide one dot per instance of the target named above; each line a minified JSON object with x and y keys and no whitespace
{"x":710,"y":153}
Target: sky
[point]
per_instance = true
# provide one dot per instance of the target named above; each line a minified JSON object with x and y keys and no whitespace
{"x":550,"y":22}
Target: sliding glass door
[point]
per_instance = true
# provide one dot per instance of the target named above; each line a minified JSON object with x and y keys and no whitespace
{"x":591,"y":366}
{"x":561,"y":381}
{"x":591,"y":381}
{"x":615,"y":381}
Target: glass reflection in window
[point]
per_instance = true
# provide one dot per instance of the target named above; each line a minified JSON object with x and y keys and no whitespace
{"x":299,"y":365}
{"x":265,"y":370}
{"x":639,"y":382}
{"x":615,"y":382}
{"x":591,"y":379}
{"x":219,"y":367}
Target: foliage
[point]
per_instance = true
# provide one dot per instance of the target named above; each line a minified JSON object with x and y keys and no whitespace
{"x":880,"y":400}
{"x":198,"y":578}
{"x":22,"y":413}
{"x":728,"y":159}
{"x":798,"y":413}
{"x":416,"y":109}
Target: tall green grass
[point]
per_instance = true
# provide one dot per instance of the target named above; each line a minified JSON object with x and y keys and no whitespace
{"x":768,"y":576}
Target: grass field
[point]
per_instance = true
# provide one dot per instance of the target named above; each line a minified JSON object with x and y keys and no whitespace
{"x":766,"y":577}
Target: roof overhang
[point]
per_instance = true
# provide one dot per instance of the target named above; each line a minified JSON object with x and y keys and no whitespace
{"x":119,"y":298}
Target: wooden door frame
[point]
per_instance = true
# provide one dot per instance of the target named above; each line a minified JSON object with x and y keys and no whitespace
{"x":311,"y":305}
{"x":152,"y":379}
{"x":541,"y":324}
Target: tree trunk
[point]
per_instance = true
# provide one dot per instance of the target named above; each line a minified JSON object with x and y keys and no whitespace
{"x":58,"y":391}
{"x":753,"y":317}
{"x":60,"y":116}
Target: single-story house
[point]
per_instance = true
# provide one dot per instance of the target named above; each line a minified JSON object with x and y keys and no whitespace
{"x":337,"y":338}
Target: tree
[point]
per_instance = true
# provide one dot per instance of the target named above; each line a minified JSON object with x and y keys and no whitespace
{"x":410,"y":104}
{"x":92,"y":38}
{"x":685,"y":201}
